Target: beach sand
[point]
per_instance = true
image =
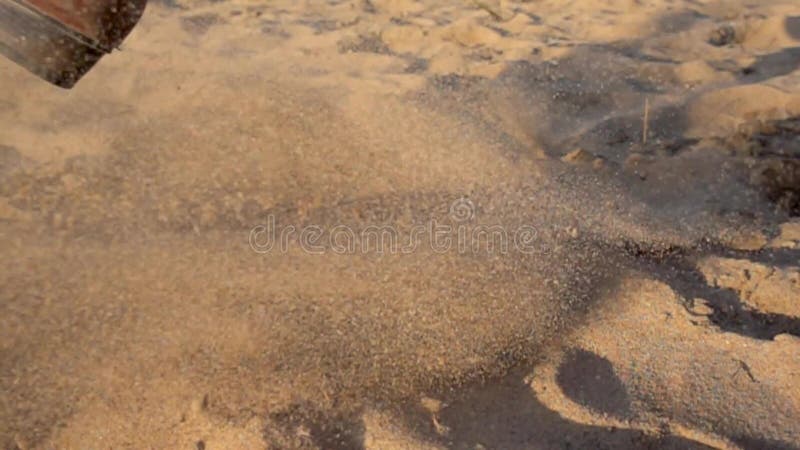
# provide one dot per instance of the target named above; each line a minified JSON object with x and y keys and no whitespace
{"x":223,"y":236}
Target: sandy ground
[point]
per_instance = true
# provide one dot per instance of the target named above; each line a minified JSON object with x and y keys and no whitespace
{"x":650,"y":152}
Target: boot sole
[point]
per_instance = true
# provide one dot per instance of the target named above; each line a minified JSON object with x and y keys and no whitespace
{"x":45,"y":46}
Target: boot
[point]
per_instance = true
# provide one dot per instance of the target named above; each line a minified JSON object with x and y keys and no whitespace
{"x":60,"y":40}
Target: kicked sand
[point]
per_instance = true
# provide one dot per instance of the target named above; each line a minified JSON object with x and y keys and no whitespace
{"x":642,"y":162}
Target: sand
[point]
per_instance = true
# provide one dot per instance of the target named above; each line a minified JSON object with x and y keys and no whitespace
{"x":639,"y":162}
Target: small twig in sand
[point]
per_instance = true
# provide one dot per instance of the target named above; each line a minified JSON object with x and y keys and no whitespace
{"x":495,"y":11}
{"x":441,"y":430}
{"x":646,"y":120}
{"x":746,"y":369}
